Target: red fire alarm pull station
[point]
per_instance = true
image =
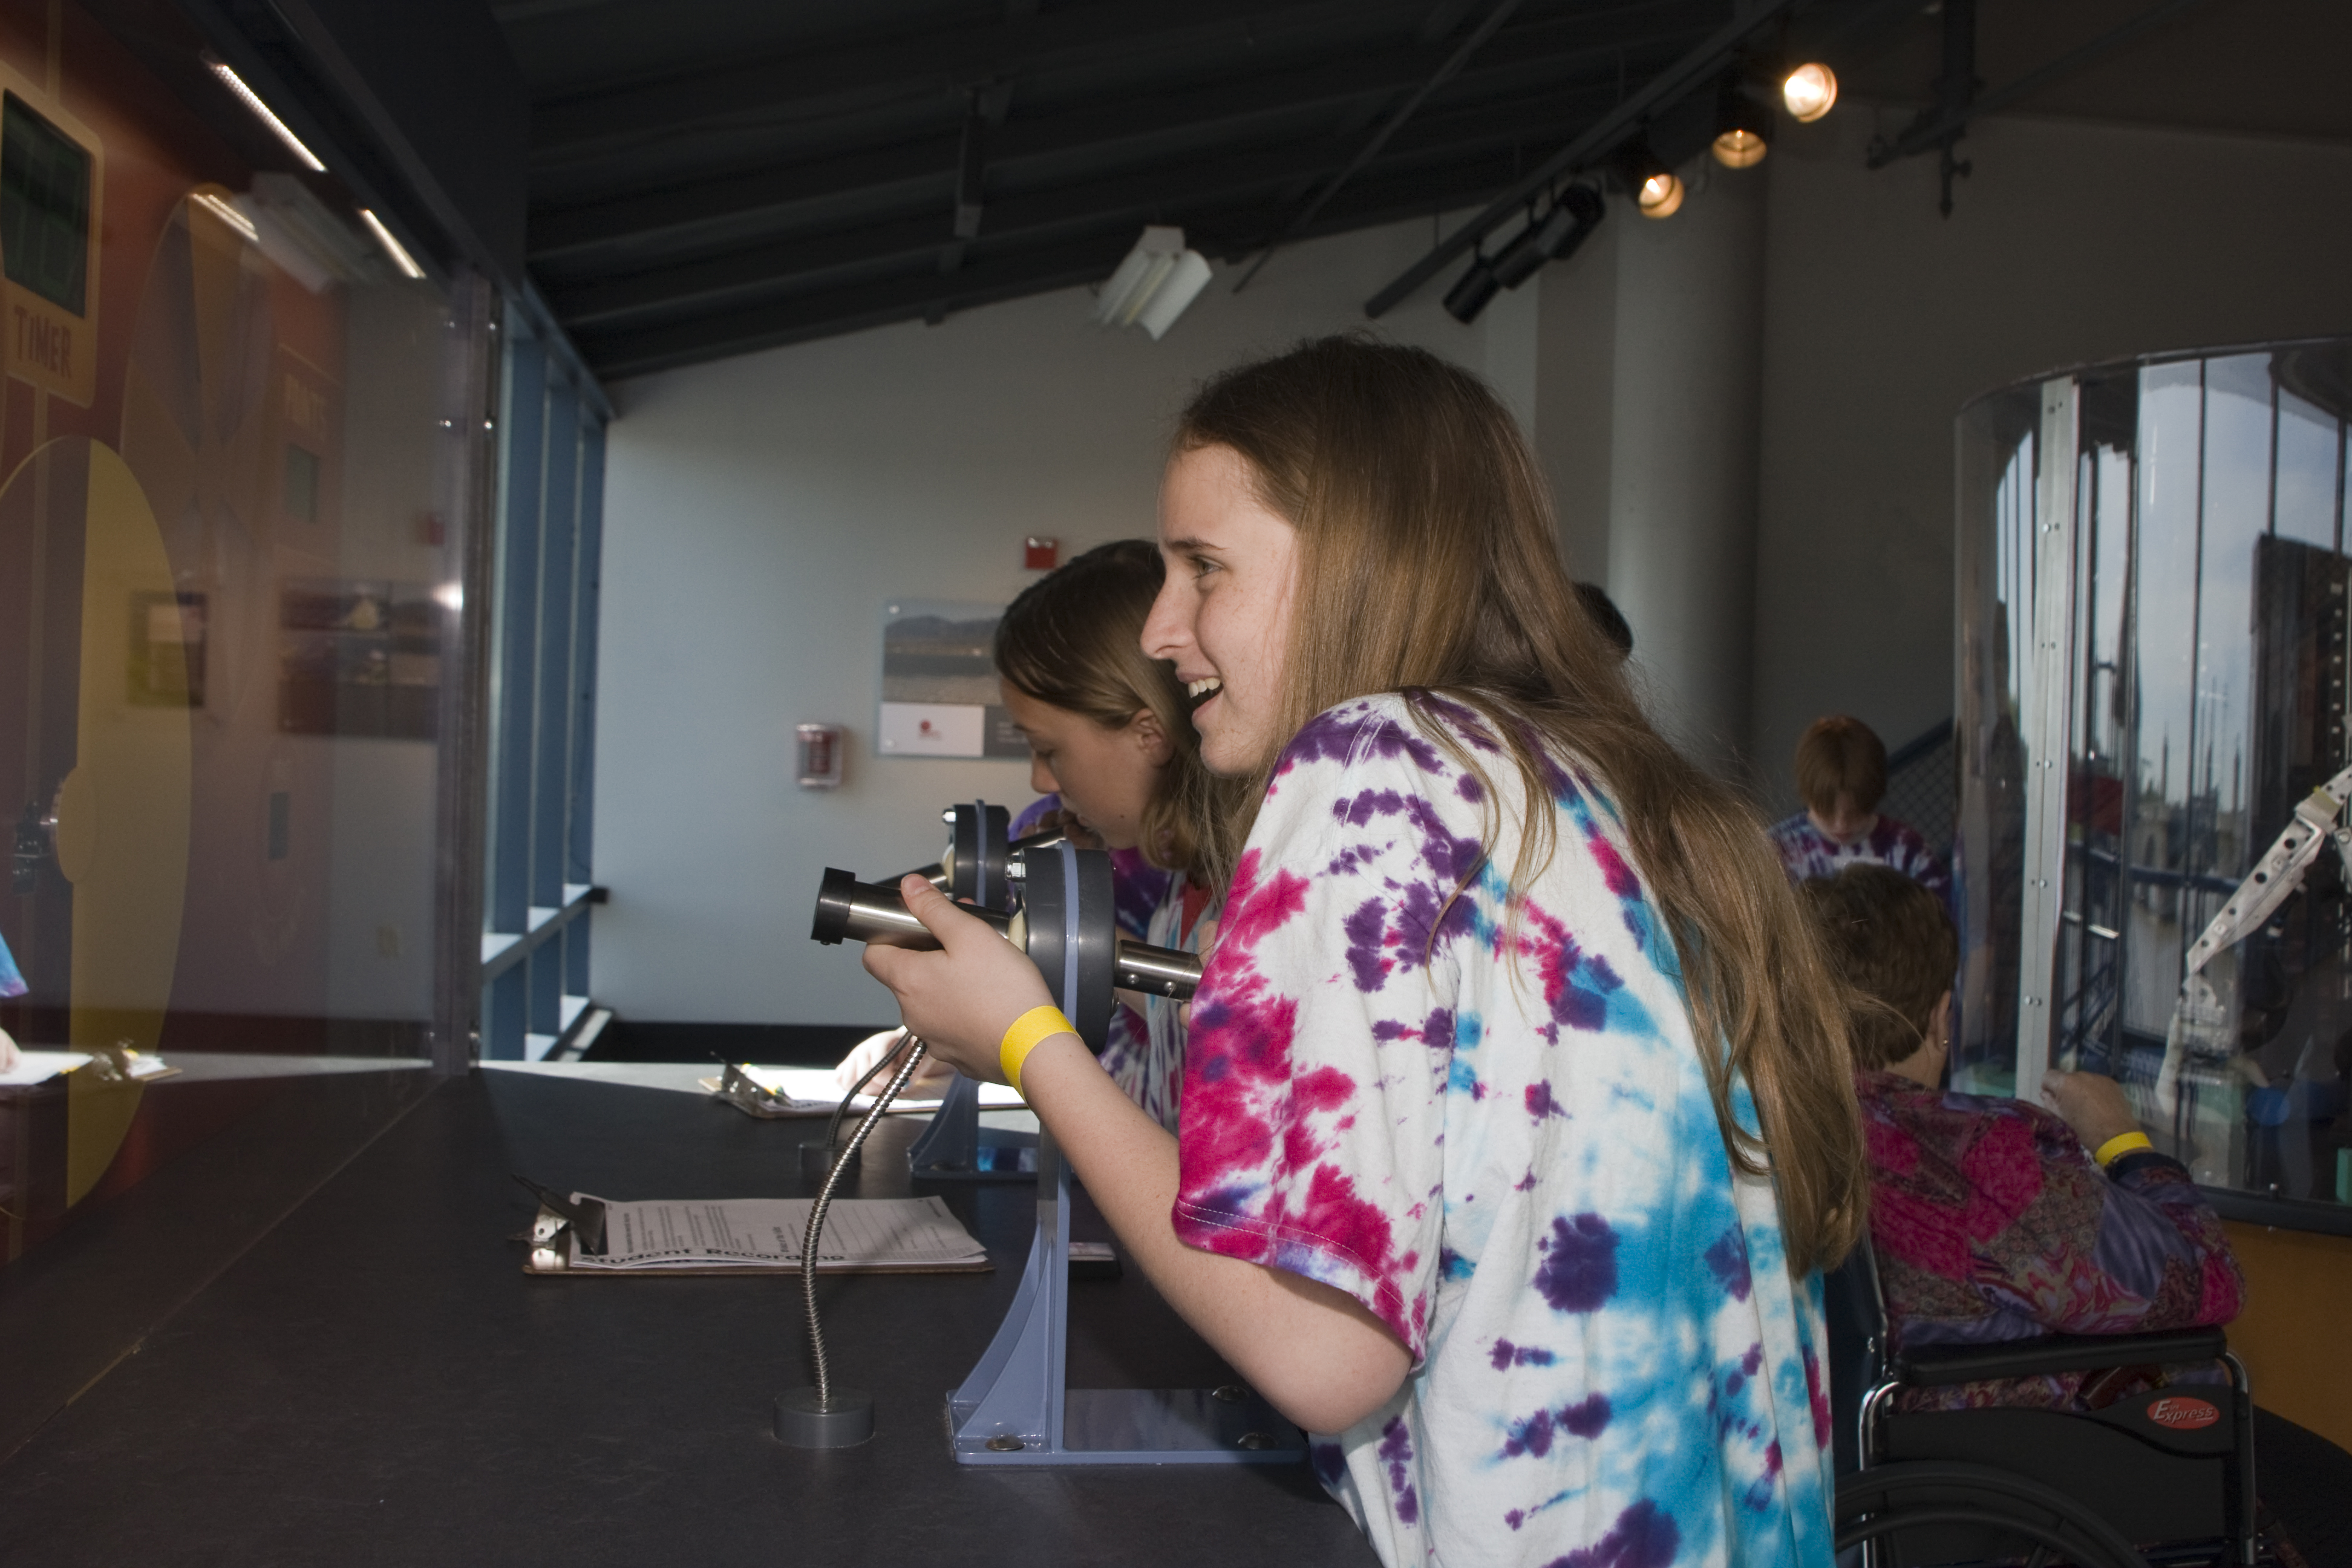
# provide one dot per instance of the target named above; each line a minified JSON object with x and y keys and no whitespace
{"x":820,"y":756}
{"x":1040,"y":554}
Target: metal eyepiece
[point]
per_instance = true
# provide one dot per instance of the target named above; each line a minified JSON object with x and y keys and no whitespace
{"x":852,"y":910}
{"x":847,"y":909}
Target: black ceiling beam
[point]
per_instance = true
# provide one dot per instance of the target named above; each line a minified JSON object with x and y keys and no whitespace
{"x":875,"y":304}
{"x":1372,"y":199}
{"x":921,"y":171}
{"x":805,"y":81}
{"x":1479,"y":36}
{"x":1113,"y":201}
{"x":924,"y":165}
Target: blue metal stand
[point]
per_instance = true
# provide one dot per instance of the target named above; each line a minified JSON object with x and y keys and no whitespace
{"x":1015,"y":1408}
{"x":956,"y":1148}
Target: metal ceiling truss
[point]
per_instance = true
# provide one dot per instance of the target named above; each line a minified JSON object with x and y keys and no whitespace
{"x":623,"y":347}
{"x":777,"y":196}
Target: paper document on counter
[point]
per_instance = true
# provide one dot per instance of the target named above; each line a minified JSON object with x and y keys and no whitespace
{"x":812,"y":1092}
{"x":861,"y":1234}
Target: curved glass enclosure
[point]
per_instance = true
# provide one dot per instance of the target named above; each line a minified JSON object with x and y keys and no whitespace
{"x":2153,"y":589}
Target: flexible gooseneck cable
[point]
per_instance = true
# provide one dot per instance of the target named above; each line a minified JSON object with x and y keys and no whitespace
{"x":833,"y":1126}
{"x":825,"y":1201}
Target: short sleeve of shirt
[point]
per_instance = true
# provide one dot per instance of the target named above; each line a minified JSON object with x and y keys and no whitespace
{"x":1314,"y":1104}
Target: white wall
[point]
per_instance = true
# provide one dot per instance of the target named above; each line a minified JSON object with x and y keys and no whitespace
{"x":763,"y":509}
{"x":758,"y":513}
{"x":2070,"y":243}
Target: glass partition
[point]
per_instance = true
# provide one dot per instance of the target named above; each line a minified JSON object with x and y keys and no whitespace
{"x":241,"y":457}
{"x":2153,"y":587}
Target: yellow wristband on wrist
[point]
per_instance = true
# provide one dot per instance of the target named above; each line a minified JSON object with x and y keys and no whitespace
{"x":1035,"y":1024}
{"x":2121,"y":1144}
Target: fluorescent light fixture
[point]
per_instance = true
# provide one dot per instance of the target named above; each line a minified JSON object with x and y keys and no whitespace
{"x":392,"y":247}
{"x":1151,"y":288}
{"x":228,"y":214}
{"x":252,"y":100}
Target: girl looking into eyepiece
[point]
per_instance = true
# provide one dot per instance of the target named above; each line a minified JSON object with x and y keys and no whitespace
{"x":1516,"y":1121}
{"x":1112,"y":748}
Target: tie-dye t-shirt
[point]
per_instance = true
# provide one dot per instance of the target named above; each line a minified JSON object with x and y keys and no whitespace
{"x":1498,"y":1139}
{"x":1806,"y":852}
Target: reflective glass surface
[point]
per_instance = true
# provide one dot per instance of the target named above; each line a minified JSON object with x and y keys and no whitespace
{"x":2200,"y":669}
{"x":236,"y":480}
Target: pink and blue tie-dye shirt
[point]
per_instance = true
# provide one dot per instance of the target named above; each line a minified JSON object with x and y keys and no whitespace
{"x":1499,"y":1138}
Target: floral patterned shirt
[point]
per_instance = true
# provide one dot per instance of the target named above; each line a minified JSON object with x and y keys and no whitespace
{"x":1496,"y":1135}
{"x":1991,"y":1221}
{"x":1807,"y":852}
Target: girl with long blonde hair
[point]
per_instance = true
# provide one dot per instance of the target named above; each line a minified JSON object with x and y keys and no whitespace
{"x":1516,"y":1119}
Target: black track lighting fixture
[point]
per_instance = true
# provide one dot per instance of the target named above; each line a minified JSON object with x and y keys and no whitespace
{"x":1743,"y":124}
{"x":1657,"y":190}
{"x":1472,"y":290}
{"x":1554,"y":237}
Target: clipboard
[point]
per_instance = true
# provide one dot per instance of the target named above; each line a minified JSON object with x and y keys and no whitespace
{"x":576,"y":1235}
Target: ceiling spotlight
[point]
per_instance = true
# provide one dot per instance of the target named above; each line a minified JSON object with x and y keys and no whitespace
{"x":1151,"y":288}
{"x":1657,"y":190}
{"x":260,"y":110}
{"x":1470,"y":293}
{"x":1810,"y":91}
{"x":1742,"y":126}
{"x":1553,"y":237}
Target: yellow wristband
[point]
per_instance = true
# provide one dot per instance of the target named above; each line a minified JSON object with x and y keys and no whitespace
{"x":2121,"y":1144}
{"x":1035,"y":1024}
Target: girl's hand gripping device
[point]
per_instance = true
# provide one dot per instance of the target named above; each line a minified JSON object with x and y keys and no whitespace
{"x":1016,"y":1407}
{"x":1067,"y":925}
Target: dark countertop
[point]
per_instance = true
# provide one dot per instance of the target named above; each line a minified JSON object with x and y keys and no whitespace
{"x":376,"y":1382}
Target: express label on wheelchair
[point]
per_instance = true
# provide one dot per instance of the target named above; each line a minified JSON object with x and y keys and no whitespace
{"x":2184,"y":1414}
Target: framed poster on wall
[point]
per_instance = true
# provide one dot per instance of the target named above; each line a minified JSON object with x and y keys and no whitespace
{"x":939,"y":683}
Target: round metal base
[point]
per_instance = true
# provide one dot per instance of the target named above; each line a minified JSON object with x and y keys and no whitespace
{"x":803,"y":1423}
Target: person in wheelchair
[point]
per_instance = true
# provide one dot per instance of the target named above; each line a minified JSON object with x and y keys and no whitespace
{"x":1992,"y":1219}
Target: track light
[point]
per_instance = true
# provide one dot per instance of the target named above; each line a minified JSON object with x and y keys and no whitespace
{"x":1742,"y":126}
{"x":1151,"y":288}
{"x":1470,"y":293}
{"x":1552,"y":237}
{"x":1810,"y":91}
{"x":1657,"y":191}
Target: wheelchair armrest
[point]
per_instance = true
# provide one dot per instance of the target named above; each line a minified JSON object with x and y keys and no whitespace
{"x":1930,"y":1366}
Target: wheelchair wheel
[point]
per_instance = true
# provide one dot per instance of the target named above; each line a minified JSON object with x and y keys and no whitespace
{"x":1879,"y":1502}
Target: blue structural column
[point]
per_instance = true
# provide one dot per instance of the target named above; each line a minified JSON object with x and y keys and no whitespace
{"x":552,"y":760}
{"x":522,"y":484}
{"x":578,"y":861}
